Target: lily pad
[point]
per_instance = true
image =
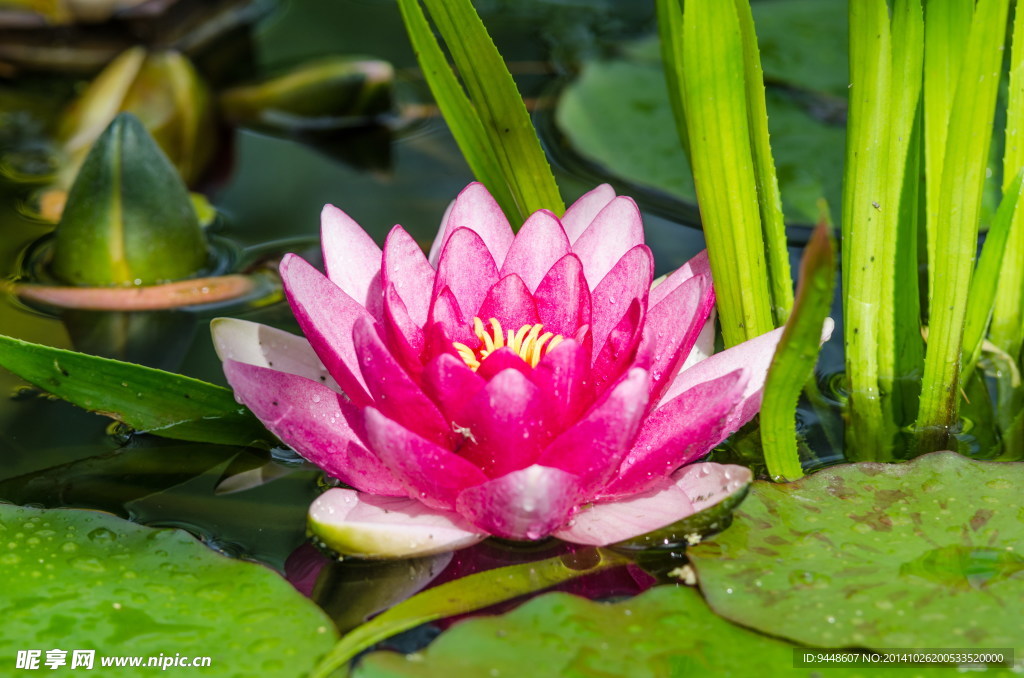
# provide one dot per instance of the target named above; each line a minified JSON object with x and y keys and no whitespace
{"x":83,"y":580}
{"x":923,"y":554}
{"x":667,"y":631}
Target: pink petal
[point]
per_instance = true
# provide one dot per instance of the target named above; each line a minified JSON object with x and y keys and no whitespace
{"x":404,"y":337}
{"x":563,"y":298}
{"x":594,"y":447}
{"x":754,"y":355}
{"x":672,"y":327}
{"x":691,"y":490}
{"x":709,"y":483}
{"x":501,"y":360}
{"x":467,"y":269}
{"x":607,"y":523}
{"x":582,"y":212}
{"x":510,"y":303}
{"x":620,"y":348}
{"x":681,"y":430}
{"x":451,"y":384}
{"x":563,"y":376}
{"x":264,"y":346}
{"x":698,"y":266}
{"x":440,"y":237}
{"x":704,"y":347}
{"x":394,"y":393}
{"x":430,"y":474}
{"x":616,"y":229}
{"x":539,"y":244}
{"x":405,"y":267}
{"x":526,"y":504}
{"x":351,"y":258}
{"x":629,"y":279}
{"x":326,"y":315}
{"x":476,"y":210}
{"x":314,"y":421}
{"x":506,"y":425}
{"x":446,"y":313}
{"x":366,"y":526}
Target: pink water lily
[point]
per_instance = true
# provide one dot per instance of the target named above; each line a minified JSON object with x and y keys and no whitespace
{"x":517,"y":385}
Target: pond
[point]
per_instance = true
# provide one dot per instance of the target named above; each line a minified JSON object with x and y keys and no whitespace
{"x":817,"y":563}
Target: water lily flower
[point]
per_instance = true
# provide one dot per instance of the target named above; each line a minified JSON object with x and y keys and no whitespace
{"x":517,"y":385}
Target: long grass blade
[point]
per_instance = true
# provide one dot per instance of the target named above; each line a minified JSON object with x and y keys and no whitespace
{"x":989,"y":274}
{"x":795,"y":356}
{"x":947,"y":24}
{"x":670,"y":39}
{"x":955,"y":230}
{"x":868,"y":240}
{"x":457,"y":110}
{"x":773,"y":225}
{"x":499,"y":106}
{"x":723,"y":170}
{"x":900,"y":353}
{"x":1007,"y":329}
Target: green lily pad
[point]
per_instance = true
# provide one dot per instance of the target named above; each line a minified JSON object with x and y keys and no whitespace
{"x":667,"y":631}
{"x":923,"y":554}
{"x":617,"y":115}
{"x":83,"y":580}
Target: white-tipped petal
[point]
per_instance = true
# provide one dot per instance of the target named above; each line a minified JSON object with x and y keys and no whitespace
{"x":255,"y":344}
{"x":367,"y":526}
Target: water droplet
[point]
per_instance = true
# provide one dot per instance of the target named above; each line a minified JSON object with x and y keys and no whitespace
{"x":102,"y":535}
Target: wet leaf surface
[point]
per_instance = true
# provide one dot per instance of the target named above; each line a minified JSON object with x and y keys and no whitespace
{"x":921,"y":554}
{"x":667,"y":631}
{"x":89,"y":581}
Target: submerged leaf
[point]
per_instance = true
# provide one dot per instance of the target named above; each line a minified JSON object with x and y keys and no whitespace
{"x":150,"y":400}
{"x":83,"y":580}
{"x":922,"y":554}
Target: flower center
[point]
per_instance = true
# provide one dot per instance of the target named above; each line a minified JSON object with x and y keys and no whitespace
{"x":528,"y":342}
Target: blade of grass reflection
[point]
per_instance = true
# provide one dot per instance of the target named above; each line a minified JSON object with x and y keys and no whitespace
{"x":108,"y":481}
{"x":473,"y":592}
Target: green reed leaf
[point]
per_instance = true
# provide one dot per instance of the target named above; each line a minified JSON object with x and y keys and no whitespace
{"x":499,"y":107}
{"x":955,"y":229}
{"x":458,"y":112}
{"x":988,"y":275}
{"x":946,"y":29}
{"x":670,"y":39}
{"x":1007,"y":330}
{"x":721,"y":157}
{"x":146,"y":399}
{"x":868,"y":237}
{"x":795,"y":356}
{"x":773,"y":225}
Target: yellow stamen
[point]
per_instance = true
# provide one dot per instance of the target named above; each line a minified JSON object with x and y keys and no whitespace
{"x":527,"y":342}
